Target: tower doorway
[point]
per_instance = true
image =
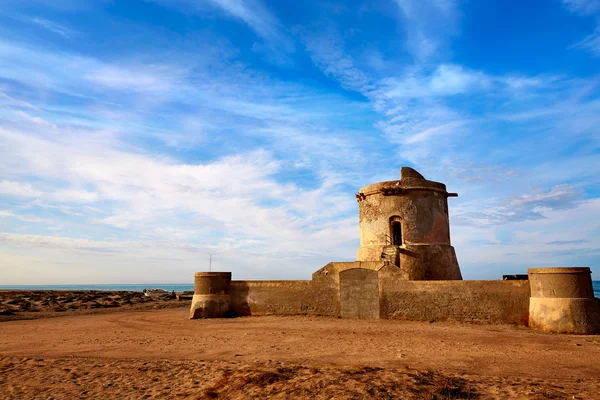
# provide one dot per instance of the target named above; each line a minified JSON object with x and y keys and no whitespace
{"x":396,"y":231}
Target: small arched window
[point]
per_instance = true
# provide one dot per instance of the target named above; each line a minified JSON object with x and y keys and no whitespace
{"x":396,"y":231}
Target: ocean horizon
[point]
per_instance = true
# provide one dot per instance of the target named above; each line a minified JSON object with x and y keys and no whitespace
{"x":141,"y":286}
{"x":138,"y":287}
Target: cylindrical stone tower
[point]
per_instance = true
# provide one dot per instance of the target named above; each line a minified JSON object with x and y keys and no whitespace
{"x":406,"y":223}
{"x":562,"y":300}
{"x":212,"y":296}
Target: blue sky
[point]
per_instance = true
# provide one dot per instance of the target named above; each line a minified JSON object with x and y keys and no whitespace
{"x":138,"y":137}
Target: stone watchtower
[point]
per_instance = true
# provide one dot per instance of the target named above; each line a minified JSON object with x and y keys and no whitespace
{"x":406,"y":223}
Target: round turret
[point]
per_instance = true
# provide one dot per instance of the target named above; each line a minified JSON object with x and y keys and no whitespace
{"x":562,"y":300}
{"x":406,"y":223}
{"x":212,"y":296}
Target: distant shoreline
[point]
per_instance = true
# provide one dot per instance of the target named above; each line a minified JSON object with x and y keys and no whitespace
{"x":169,"y":287}
{"x":33,"y":304}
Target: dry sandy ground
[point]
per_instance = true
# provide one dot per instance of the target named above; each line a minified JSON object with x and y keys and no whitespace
{"x":162,"y":354}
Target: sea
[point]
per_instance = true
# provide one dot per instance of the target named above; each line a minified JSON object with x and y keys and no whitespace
{"x":109,"y":287}
{"x":139,"y":288}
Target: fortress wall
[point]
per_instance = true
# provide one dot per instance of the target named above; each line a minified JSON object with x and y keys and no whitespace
{"x":272,"y":297}
{"x":477,"y":301}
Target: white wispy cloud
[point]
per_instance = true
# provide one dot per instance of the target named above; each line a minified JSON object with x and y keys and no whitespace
{"x":590,"y":43}
{"x":327,"y":52}
{"x":524,"y":207}
{"x":36,"y":120}
{"x":434,"y":131}
{"x":276,"y":44}
{"x":10,"y":102}
{"x":70,"y":73}
{"x":73,"y":196}
{"x":47,"y":24}
{"x":52,"y":26}
{"x":445,"y":80}
{"x":18,"y":189}
{"x":149,"y":78}
{"x":428,"y":24}
{"x":24,"y":218}
{"x":259,"y":19}
{"x":584,"y":7}
{"x":451,"y":80}
{"x":60,"y":5}
{"x":75,"y":243}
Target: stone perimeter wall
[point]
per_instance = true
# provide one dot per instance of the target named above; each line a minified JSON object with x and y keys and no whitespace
{"x":466,"y":301}
{"x":271,"y":297}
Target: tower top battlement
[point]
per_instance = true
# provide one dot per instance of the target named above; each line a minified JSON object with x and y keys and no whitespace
{"x":408,"y":172}
{"x":410,"y":180}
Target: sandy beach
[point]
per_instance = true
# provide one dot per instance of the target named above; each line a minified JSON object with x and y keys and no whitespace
{"x":159,"y":353}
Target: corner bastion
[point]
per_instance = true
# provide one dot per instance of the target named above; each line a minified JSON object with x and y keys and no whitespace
{"x":406,"y":268}
{"x":212,"y":295}
{"x":562,"y":300}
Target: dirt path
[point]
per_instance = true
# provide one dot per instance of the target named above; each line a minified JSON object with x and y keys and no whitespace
{"x":492,"y":358}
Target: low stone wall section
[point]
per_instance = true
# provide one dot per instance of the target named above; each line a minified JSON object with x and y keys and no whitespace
{"x":465,"y":301}
{"x":272,"y":297}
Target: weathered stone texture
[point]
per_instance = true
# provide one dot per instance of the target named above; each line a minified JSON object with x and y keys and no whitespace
{"x":212,"y":297}
{"x":327,"y":284}
{"x":424,"y":216}
{"x":359,"y":293}
{"x":562,"y":300}
{"x":272,"y":297}
{"x":478,"y":301}
{"x":429,"y":262}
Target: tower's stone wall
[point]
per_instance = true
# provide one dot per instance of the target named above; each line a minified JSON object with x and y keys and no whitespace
{"x":424,"y":215}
